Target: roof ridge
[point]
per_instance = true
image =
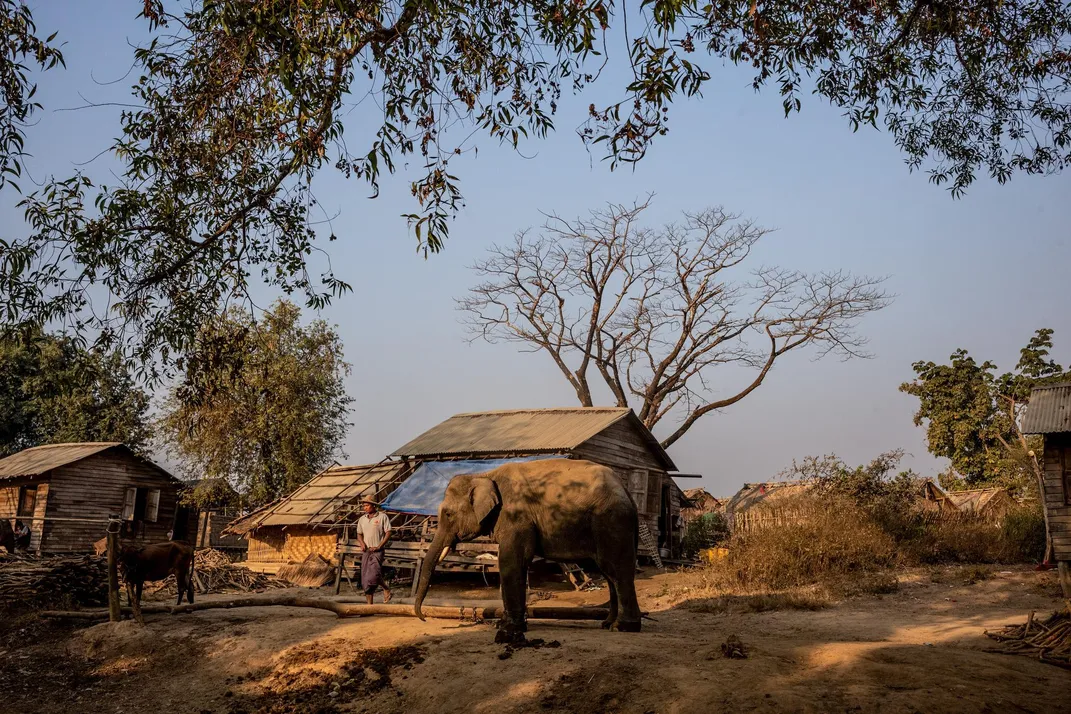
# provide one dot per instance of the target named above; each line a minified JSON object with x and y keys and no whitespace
{"x":73,"y":443}
{"x":544,"y":410}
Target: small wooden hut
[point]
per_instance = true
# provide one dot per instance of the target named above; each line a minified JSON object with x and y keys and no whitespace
{"x":1049,"y":414}
{"x":65,"y":493}
{"x":611,"y":436}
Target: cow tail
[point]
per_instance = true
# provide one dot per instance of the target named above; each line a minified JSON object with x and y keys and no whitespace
{"x":189,"y":580}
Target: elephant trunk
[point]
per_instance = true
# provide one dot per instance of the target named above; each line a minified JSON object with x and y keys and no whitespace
{"x":443,"y":540}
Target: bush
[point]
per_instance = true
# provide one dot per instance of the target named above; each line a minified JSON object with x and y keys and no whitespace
{"x":832,"y":538}
{"x":706,"y":531}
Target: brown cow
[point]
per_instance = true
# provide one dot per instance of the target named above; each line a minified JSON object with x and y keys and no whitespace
{"x":156,"y":562}
{"x":7,"y":535}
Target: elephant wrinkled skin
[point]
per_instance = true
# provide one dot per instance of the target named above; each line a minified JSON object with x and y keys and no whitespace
{"x":559,"y":509}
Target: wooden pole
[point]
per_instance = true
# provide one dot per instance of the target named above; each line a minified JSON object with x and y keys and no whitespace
{"x":115,"y":614}
{"x":1064,"y":568}
{"x":341,"y":558}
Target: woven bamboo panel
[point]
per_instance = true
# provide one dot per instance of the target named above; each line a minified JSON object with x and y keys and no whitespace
{"x":301,"y":543}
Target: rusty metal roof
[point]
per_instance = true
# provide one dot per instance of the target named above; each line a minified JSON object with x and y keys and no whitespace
{"x":1049,"y":410}
{"x":322,"y":499}
{"x":41,"y":459}
{"x":524,"y":431}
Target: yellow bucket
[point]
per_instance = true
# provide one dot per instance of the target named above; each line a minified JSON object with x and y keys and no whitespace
{"x":709,"y":555}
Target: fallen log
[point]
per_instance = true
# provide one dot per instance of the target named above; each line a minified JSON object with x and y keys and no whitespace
{"x":442,"y":612}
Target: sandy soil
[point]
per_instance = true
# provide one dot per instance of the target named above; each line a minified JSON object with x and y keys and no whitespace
{"x":920,"y":649}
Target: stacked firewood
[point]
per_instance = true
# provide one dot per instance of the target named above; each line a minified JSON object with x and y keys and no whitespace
{"x":1049,"y":640}
{"x":213,"y":572}
{"x":61,"y":580}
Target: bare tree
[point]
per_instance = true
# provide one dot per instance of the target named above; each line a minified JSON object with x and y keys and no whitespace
{"x":653,"y":311}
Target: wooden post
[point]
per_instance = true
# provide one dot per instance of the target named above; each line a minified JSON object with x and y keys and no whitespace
{"x":341,"y":558}
{"x":1065,"y":577}
{"x":115,"y":613}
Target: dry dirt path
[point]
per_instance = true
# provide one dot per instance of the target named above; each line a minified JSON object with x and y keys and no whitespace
{"x":920,"y":649}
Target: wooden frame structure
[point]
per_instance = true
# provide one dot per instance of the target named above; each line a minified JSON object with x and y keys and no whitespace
{"x":1049,"y":415}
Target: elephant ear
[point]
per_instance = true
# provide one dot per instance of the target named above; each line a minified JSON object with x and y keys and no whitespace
{"x":484,"y":497}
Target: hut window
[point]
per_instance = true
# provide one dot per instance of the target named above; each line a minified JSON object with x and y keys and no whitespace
{"x":128,"y":503}
{"x":27,"y":501}
{"x":152,"y":506}
{"x":637,"y":485}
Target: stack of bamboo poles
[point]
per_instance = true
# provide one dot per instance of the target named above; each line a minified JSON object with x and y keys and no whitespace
{"x":33,"y":582}
{"x":1049,"y":640}
{"x":213,"y":572}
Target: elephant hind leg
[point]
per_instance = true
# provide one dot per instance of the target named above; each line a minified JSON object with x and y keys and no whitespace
{"x":627,"y":611}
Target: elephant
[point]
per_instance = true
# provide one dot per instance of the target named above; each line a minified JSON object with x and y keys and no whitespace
{"x":563,"y":510}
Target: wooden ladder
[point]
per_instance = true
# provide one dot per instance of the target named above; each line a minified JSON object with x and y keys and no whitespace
{"x":576,"y":575}
{"x":648,"y":540}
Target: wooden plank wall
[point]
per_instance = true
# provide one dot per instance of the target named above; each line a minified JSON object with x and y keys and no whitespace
{"x":95,"y":487}
{"x":624,"y":449}
{"x":1057,"y":472}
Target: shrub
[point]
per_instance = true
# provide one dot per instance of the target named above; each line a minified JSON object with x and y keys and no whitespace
{"x":706,"y":531}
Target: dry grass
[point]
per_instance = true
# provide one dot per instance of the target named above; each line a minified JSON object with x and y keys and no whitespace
{"x":832,"y":539}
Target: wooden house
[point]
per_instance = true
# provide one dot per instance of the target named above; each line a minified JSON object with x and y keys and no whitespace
{"x":65,"y":493}
{"x":310,"y":520}
{"x":1049,"y":414}
{"x":614,"y":437}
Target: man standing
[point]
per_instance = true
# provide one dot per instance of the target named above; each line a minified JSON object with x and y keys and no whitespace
{"x":373,"y":534}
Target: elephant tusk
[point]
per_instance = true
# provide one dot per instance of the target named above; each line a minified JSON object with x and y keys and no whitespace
{"x":442,"y":556}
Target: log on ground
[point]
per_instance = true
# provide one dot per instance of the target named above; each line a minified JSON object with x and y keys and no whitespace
{"x":446,"y":612}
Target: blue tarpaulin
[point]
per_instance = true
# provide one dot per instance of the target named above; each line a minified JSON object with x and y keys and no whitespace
{"x":422,"y":492}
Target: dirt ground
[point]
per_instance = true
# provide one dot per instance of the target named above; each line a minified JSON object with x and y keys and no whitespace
{"x":919,"y":649}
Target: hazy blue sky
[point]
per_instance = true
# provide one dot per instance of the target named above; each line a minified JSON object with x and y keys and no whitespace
{"x":981,"y":273}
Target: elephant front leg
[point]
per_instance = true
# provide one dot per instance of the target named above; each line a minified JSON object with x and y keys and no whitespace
{"x":513,"y":561}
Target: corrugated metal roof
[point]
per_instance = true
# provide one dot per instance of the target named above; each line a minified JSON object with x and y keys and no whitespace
{"x":318,"y":502}
{"x":523,"y":431}
{"x":1049,"y":410}
{"x":40,"y":459}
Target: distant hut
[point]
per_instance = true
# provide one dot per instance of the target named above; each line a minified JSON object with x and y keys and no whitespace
{"x":65,"y":493}
{"x":699,"y":503}
{"x":990,"y":503}
{"x":217,"y":508}
{"x":1049,"y":414}
{"x":759,"y":505}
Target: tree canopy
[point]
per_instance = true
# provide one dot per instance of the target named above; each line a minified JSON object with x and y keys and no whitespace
{"x":261,"y":406}
{"x":239,"y":104}
{"x":655,"y":311}
{"x":972,"y":414}
{"x":54,"y":391}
